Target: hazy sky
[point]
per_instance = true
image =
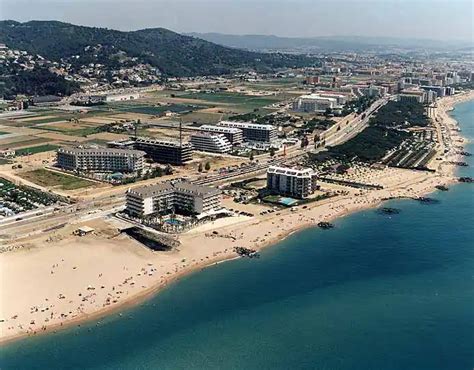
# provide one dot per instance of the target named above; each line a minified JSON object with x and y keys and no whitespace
{"x":434,"y":19}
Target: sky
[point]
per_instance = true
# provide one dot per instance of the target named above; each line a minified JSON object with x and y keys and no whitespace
{"x":425,"y":19}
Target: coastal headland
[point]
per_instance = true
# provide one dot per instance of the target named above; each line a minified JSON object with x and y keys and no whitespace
{"x":53,"y":280}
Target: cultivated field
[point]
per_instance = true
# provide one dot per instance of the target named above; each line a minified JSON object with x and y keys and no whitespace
{"x":48,"y":178}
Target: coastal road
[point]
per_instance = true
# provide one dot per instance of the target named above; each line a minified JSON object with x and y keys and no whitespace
{"x":46,"y":218}
{"x":356,"y":126}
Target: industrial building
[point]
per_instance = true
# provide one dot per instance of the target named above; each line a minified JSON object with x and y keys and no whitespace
{"x":164,"y":151}
{"x":100,"y":159}
{"x":297,"y":183}
{"x":209,"y":142}
{"x":181,"y":197}
{"x":252,"y":131}
{"x":234,"y":135}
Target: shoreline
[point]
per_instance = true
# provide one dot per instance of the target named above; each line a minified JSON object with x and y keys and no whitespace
{"x":334,"y":208}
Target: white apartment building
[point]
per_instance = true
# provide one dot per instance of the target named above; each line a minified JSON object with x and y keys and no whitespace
{"x":341,"y":99}
{"x":172,"y":197}
{"x":234,"y":135}
{"x":317,"y":103}
{"x":416,"y":95}
{"x":209,"y":142}
{"x":252,"y":131}
{"x":100,"y":159}
{"x":297,"y":183}
{"x":372,"y":90}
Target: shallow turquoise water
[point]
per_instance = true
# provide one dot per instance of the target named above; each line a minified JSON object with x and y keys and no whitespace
{"x":376,"y":292}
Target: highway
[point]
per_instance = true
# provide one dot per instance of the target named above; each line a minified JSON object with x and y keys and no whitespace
{"x":356,"y":126}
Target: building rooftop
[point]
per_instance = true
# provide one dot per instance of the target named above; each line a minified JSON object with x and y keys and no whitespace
{"x":168,"y":143}
{"x":110,"y":151}
{"x":412,"y":92}
{"x":246,"y":125}
{"x":181,"y":186}
{"x":318,"y":97}
{"x":231,"y":130}
{"x":303,"y":172}
{"x":196,"y":189}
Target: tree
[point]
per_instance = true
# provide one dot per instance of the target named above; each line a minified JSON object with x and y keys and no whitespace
{"x":200,"y":167}
{"x":157,"y":172}
{"x":207,"y":167}
{"x":272,"y":151}
{"x":304,"y":142}
{"x":168,"y":170}
{"x":251,"y":155}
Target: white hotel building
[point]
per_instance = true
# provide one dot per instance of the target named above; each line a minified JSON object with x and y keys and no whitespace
{"x":319,"y":103}
{"x":297,"y":183}
{"x":100,"y":159}
{"x":209,"y":142}
{"x":168,"y":197}
{"x":234,"y":135}
{"x":252,"y":131}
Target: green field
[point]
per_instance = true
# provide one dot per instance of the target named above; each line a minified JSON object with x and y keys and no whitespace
{"x":152,"y":110}
{"x":30,"y":142}
{"x":202,"y":117}
{"x":275,"y":84}
{"x":242,"y":100}
{"x":49,"y":178}
{"x":36,"y":149}
{"x":97,"y":141}
{"x":40,"y":120}
{"x":86,"y":131}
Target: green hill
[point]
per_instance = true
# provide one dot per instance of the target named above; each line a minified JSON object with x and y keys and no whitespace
{"x":172,"y":53}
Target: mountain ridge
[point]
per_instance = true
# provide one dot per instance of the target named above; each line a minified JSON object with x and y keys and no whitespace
{"x":174,"y":54}
{"x":323,"y":43}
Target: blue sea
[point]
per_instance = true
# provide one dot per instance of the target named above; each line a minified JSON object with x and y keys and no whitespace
{"x":376,"y":292}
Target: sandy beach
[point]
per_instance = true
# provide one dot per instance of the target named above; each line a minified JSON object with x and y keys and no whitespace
{"x":58,"y":279}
